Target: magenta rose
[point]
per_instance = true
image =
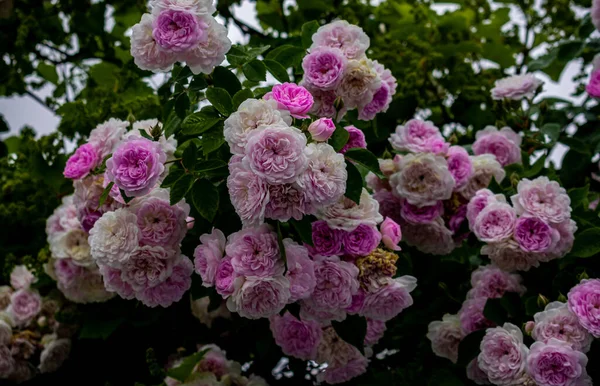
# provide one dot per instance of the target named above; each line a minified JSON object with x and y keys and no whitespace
{"x":336,"y":283}
{"x":356,"y":139}
{"x":556,"y":364}
{"x":208,"y":255}
{"x":147,"y":267}
{"x":136,"y":166}
{"x":459,"y":165}
{"x":255,"y":252}
{"x":293,"y":98}
{"x":178,"y":31}
{"x":375,"y":331}
{"x":361,"y":241}
{"x":471,"y":316}
{"x":296,"y":337}
{"x":224,"y":277}
{"x":391,"y":234}
{"x":301,"y":271}
{"x":324,"y":67}
{"x":326,"y":241}
{"x":172,"y":289}
{"x":421,"y":214}
{"x":321,"y":129}
{"x":535,"y":235}
{"x":25,"y":304}
{"x":593,"y":87}
{"x":81,"y":163}
{"x":584,"y":302}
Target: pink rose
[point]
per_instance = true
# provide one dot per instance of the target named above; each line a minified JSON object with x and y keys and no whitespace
{"x":584,"y":302}
{"x":475,"y":374}
{"x":478,"y":202}
{"x":542,"y":198}
{"x":508,"y":256}
{"x":248,"y":192}
{"x":160,"y":223}
{"x":321,"y":129}
{"x":491,"y":282}
{"x":389,"y":300}
{"x":293,"y":98}
{"x":593,"y":87}
{"x":113,"y":282}
{"x":301,"y":271}
{"x":172,"y":289}
{"x":21,"y":277}
{"x":505,"y":144}
{"x":361,"y":241}
{"x":459,"y":165}
{"x":391,"y":234}
{"x":324,"y":67}
{"x":471,"y":316}
{"x":375,"y":331}
{"x":558,"y":322}
{"x":147,"y":267}
{"x":259,"y":297}
{"x":178,"y":31}
{"x":81,"y":163}
{"x":356,"y":139}
{"x":495,"y":223}
{"x":421,"y":214}
{"x":224,"y":277}
{"x":503,"y":356}
{"x":445,"y":336}
{"x":208,"y":255}
{"x":286,"y":201}
{"x":416,"y":136}
{"x":336,"y":283}
{"x":324,"y":181}
{"x":296,"y":337}
{"x":326,"y":241}
{"x":556,"y":364}
{"x":350,"y":39}
{"x":25,"y":304}
{"x":516,"y":87}
{"x":255,"y":252}
{"x":534,"y":235}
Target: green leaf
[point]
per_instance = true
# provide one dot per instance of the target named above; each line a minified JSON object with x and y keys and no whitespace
{"x":172,"y":125}
{"x":579,"y":196}
{"x":3,"y":125}
{"x":172,"y":177}
{"x":144,"y":134}
{"x":287,"y":55}
{"x":180,"y":188}
{"x":241,"y":96}
{"x":586,"y":27}
{"x":212,"y":168}
{"x":468,"y":349}
{"x":237,"y":55}
{"x":223,"y":78}
{"x":277,"y":70}
{"x":198,"y":122}
{"x":255,"y":70}
{"x":98,"y":328}
{"x":198,"y":83}
{"x":339,"y":138}
{"x":104,"y":194}
{"x":48,"y":72}
{"x":495,"y":312}
{"x":354,"y":183}
{"x":190,"y":155}
{"x":308,"y":30}
{"x":543,"y":61}
{"x":13,"y":144}
{"x":181,"y":74}
{"x":125,"y":197}
{"x":205,"y":198}
{"x":184,"y":370}
{"x":304,"y":229}
{"x":570,"y":49}
{"x":220,"y":99}
{"x":552,"y":130}
{"x":366,"y":159}
{"x":352,"y":330}
{"x":212,"y":139}
{"x":586,"y":243}
{"x":281,"y":246}
{"x":574,"y":166}
{"x":182,"y":105}
{"x":105,"y":74}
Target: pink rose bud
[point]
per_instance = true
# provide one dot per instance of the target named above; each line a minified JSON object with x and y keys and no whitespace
{"x":321,"y":129}
{"x":190,"y":222}
{"x":391,"y":234}
{"x":529,"y":326}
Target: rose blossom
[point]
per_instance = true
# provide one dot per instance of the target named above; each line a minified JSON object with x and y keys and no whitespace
{"x":445,"y":336}
{"x":339,"y":374}
{"x":321,"y":129}
{"x":259,"y":297}
{"x":566,"y":231}
{"x":114,"y":237}
{"x":343,"y":359}
{"x":471,"y":316}
{"x":593,"y":86}
{"x":503,"y":355}
{"x":54,"y":355}
{"x":136,"y":166}
{"x":508,"y":256}
{"x":361,"y":241}
{"x":423,"y":179}
{"x":214,"y":361}
{"x":459,"y":165}
{"x":72,"y":244}
{"x":491,"y":282}
{"x":475,"y":374}
{"x":505,"y":144}
{"x":324,"y":105}
{"x":293,"y":98}
{"x":375,"y":331}
{"x":542,"y":198}
{"x":556,"y":364}
{"x":160,"y":223}
{"x":433,"y":238}
{"x":391,"y":234}
{"x":276,"y":154}
{"x":177,"y":31}
{"x":495,"y":223}
{"x":326,"y":241}
{"x":255,"y":252}
{"x":204,"y":57}
{"x":556,"y":321}
{"x":224,"y":277}
{"x":82,"y":162}
{"x":478,"y":202}
{"x":114,"y":283}
{"x":347,"y":215}
{"x":25,"y":304}
{"x":196,"y":7}
{"x":415,"y":136}
{"x":355,"y":140}
{"x":7,"y":362}
{"x":389,"y":300}
{"x":389,"y":205}
{"x":147,"y":267}
{"x":421,"y":214}
{"x":296,"y":337}
{"x":324,"y":180}
{"x":516,"y":87}
{"x":248,"y":192}
{"x":172,"y":289}
{"x":485,"y":167}
{"x":350,"y":39}
{"x":21,"y":277}
{"x":534,"y":235}
{"x":380,"y":103}
{"x":335,"y":283}
{"x":301,"y":271}
{"x":208,"y":255}
{"x":324,"y":67}
{"x":146,"y":52}
{"x":286,"y":201}
{"x":359,"y":84}
{"x":107,"y":135}
{"x":584,"y":301}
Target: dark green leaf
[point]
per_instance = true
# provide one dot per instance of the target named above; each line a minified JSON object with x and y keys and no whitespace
{"x":125,"y":197}
{"x":354,"y":183}
{"x":181,"y":74}
{"x":3,"y":125}
{"x":536,"y":168}
{"x":184,"y":370}
{"x":48,"y":72}
{"x":543,"y":61}
{"x":287,"y":55}
{"x":182,"y":105}
{"x":220,"y":99}
{"x":205,"y":197}
{"x":586,"y":243}
{"x":241,"y":96}
{"x":212,"y":139}
{"x":172,"y":177}
{"x":366,"y":159}
{"x":531,"y":306}
{"x":144,"y":134}
{"x":579,"y":196}
{"x":339,"y":138}
{"x":190,"y":155}
{"x":223,"y":78}
{"x":212,"y":168}
{"x":281,"y":246}
{"x":172,"y":125}
{"x":570,"y":49}
{"x":237,"y":55}
{"x":181,"y":187}
{"x":308,"y":30}
{"x":255,"y":71}
{"x":352,"y":330}
{"x":574,"y":166}
{"x":198,"y":83}
{"x":277,"y":70}
{"x":552,"y":130}
{"x":198,"y":122}
{"x":304,"y":229}
{"x":104,"y":194}
{"x":586,"y":27}
{"x":468,"y":349}
{"x":495,"y":312}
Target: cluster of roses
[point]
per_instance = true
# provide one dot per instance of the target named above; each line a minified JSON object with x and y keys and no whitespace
{"x":341,"y":77}
{"x":537,"y":228}
{"x":32,"y":341}
{"x":488,"y":282}
{"x":563,"y":334}
{"x":102,"y":245}
{"x":179,"y":31}
{"x":428,"y":188}
{"x":214,"y":369}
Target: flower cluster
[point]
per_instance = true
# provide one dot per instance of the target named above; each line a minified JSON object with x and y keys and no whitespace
{"x":516,"y":87}
{"x":102,"y":245}
{"x":341,"y":77}
{"x":536,"y":228}
{"x":214,"y":369}
{"x":488,"y":282}
{"x":32,"y":341}
{"x":179,"y":31}
{"x":427,"y":189}
{"x":275,"y":173}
